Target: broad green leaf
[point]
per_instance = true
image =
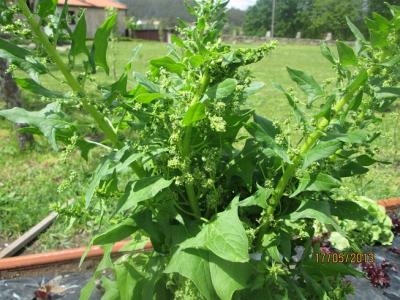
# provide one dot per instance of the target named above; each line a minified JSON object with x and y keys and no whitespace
{"x":323,"y":183}
{"x":357,"y":82}
{"x":225,"y":236}
{"x":100,"y":43}
{"x":222,"y":90}
{"x":260,"y":198}
{"x":327,"y":53}
{"x":270,"y":242}
{"x":352,"y":169}
{"x":267,"y":125}
{"x":317,"y":210}
{"x":78,"y":38}
{"x":319,"y":183}
{"x":320,"y":151}
{"x":111,"y":289}
{"x":102,"y":170}
{"x":197,"y":60}
{"x":116,"y":233}
{"x":145,"y":82}
{"x":228,"y":277}
{"x":307,"y":84}
{"x":272,"y":148}
{"x":88,"y":289}
{"x":127,"y":279}
{"x":357,"y":33}
{"x":194,"y":265}
{"x":253,"y":88}
{"x":314,"y":268}
{"x":338,"y":241}
{"x":46,"y":7}
{"x":169,"y":64}
{"x":35,"y":88}
{"x":142,"y":190}
{"x":14,"y":49}
{"x":298,"y":113}
{"x":347,"y":56}
{"x":148,"y":97}
{"x":388,"y":92}
{"x":195,"y":113}
{"x":48,"y":120}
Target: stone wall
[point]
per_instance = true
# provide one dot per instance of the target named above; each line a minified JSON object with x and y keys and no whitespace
{"x":254,"y":39}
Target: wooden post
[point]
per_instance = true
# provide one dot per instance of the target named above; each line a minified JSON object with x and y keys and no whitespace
{"x":273,"y":19}
{"x":28,"y":236}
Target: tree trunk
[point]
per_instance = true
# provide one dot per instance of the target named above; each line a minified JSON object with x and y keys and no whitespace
{"x":9,"y":91}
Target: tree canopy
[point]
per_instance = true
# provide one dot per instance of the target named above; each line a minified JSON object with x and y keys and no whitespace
{"x":314,"y":18}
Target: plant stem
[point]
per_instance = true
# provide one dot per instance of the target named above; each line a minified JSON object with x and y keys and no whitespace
{"x":51,"y":50}
{"x":186,"y":145}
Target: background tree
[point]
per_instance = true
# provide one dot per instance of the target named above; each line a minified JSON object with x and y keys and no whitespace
{"x":380,"y":7}
{"x":323,"y":16}
{"x":9,"y":91}
{"x":259,"y":17}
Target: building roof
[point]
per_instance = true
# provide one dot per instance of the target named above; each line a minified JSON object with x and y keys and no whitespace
{"x":94,"y":3}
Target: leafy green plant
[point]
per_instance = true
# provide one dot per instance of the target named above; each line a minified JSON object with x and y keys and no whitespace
{"x":234,"y":205}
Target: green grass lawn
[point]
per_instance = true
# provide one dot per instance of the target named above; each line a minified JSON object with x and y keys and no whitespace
{"x":29,"y":181}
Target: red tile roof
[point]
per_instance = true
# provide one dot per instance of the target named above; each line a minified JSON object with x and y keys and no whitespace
{"x":94,"y":3}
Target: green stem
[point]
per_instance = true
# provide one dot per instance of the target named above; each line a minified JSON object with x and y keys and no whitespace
{"x":51,"y":50}
{"x":187,"y":147}
{"x":71,"y":80}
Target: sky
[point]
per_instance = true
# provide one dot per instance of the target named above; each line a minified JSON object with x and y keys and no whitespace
{"x":241,"y":4}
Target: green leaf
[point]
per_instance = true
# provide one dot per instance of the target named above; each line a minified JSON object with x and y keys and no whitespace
{"x":111,"y":289}
{"x":78,"y":38}
{"x":195,"y":113}
{"x":253,"y":88}
{"x":222,"y":90}
{"x":260,"y":198}
{"x":116,"y":233}
{"x":319,"y":183}
{"x":14,"y":49}
{"x":169,"y":64}
{"x":228,"y":277}
{"x":388,"y":92}
{"x":318,"y":269}
{"x":100,"y":44}
{"x":317,"y":210}
{"x":272,"y":148}
{"x":327,"y":53}
{"x":145,"y":82}
{"x":148,"y":97}
{"x":142,"y":190}
{"x":127,"y":279}
{"x":35,"y":88}
{"x":357,"y":33}
{"x":323,"y":183}
{"x":298,"y":113}
{"x":270,"y":242}
{"x":225,"y":236}
{"x":88,"y":289}
{"x":320,"y":151}
{"x":267,"y":125}
{"x":101,"y":171}
{"x":307,"y":84}
{"x":347,"y":56}
{"x":357,"y":82}
{"x":349,"y":210}
{"x":194,"y":265}
{"x":48,"y":120}
{"x":46,"y":7}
